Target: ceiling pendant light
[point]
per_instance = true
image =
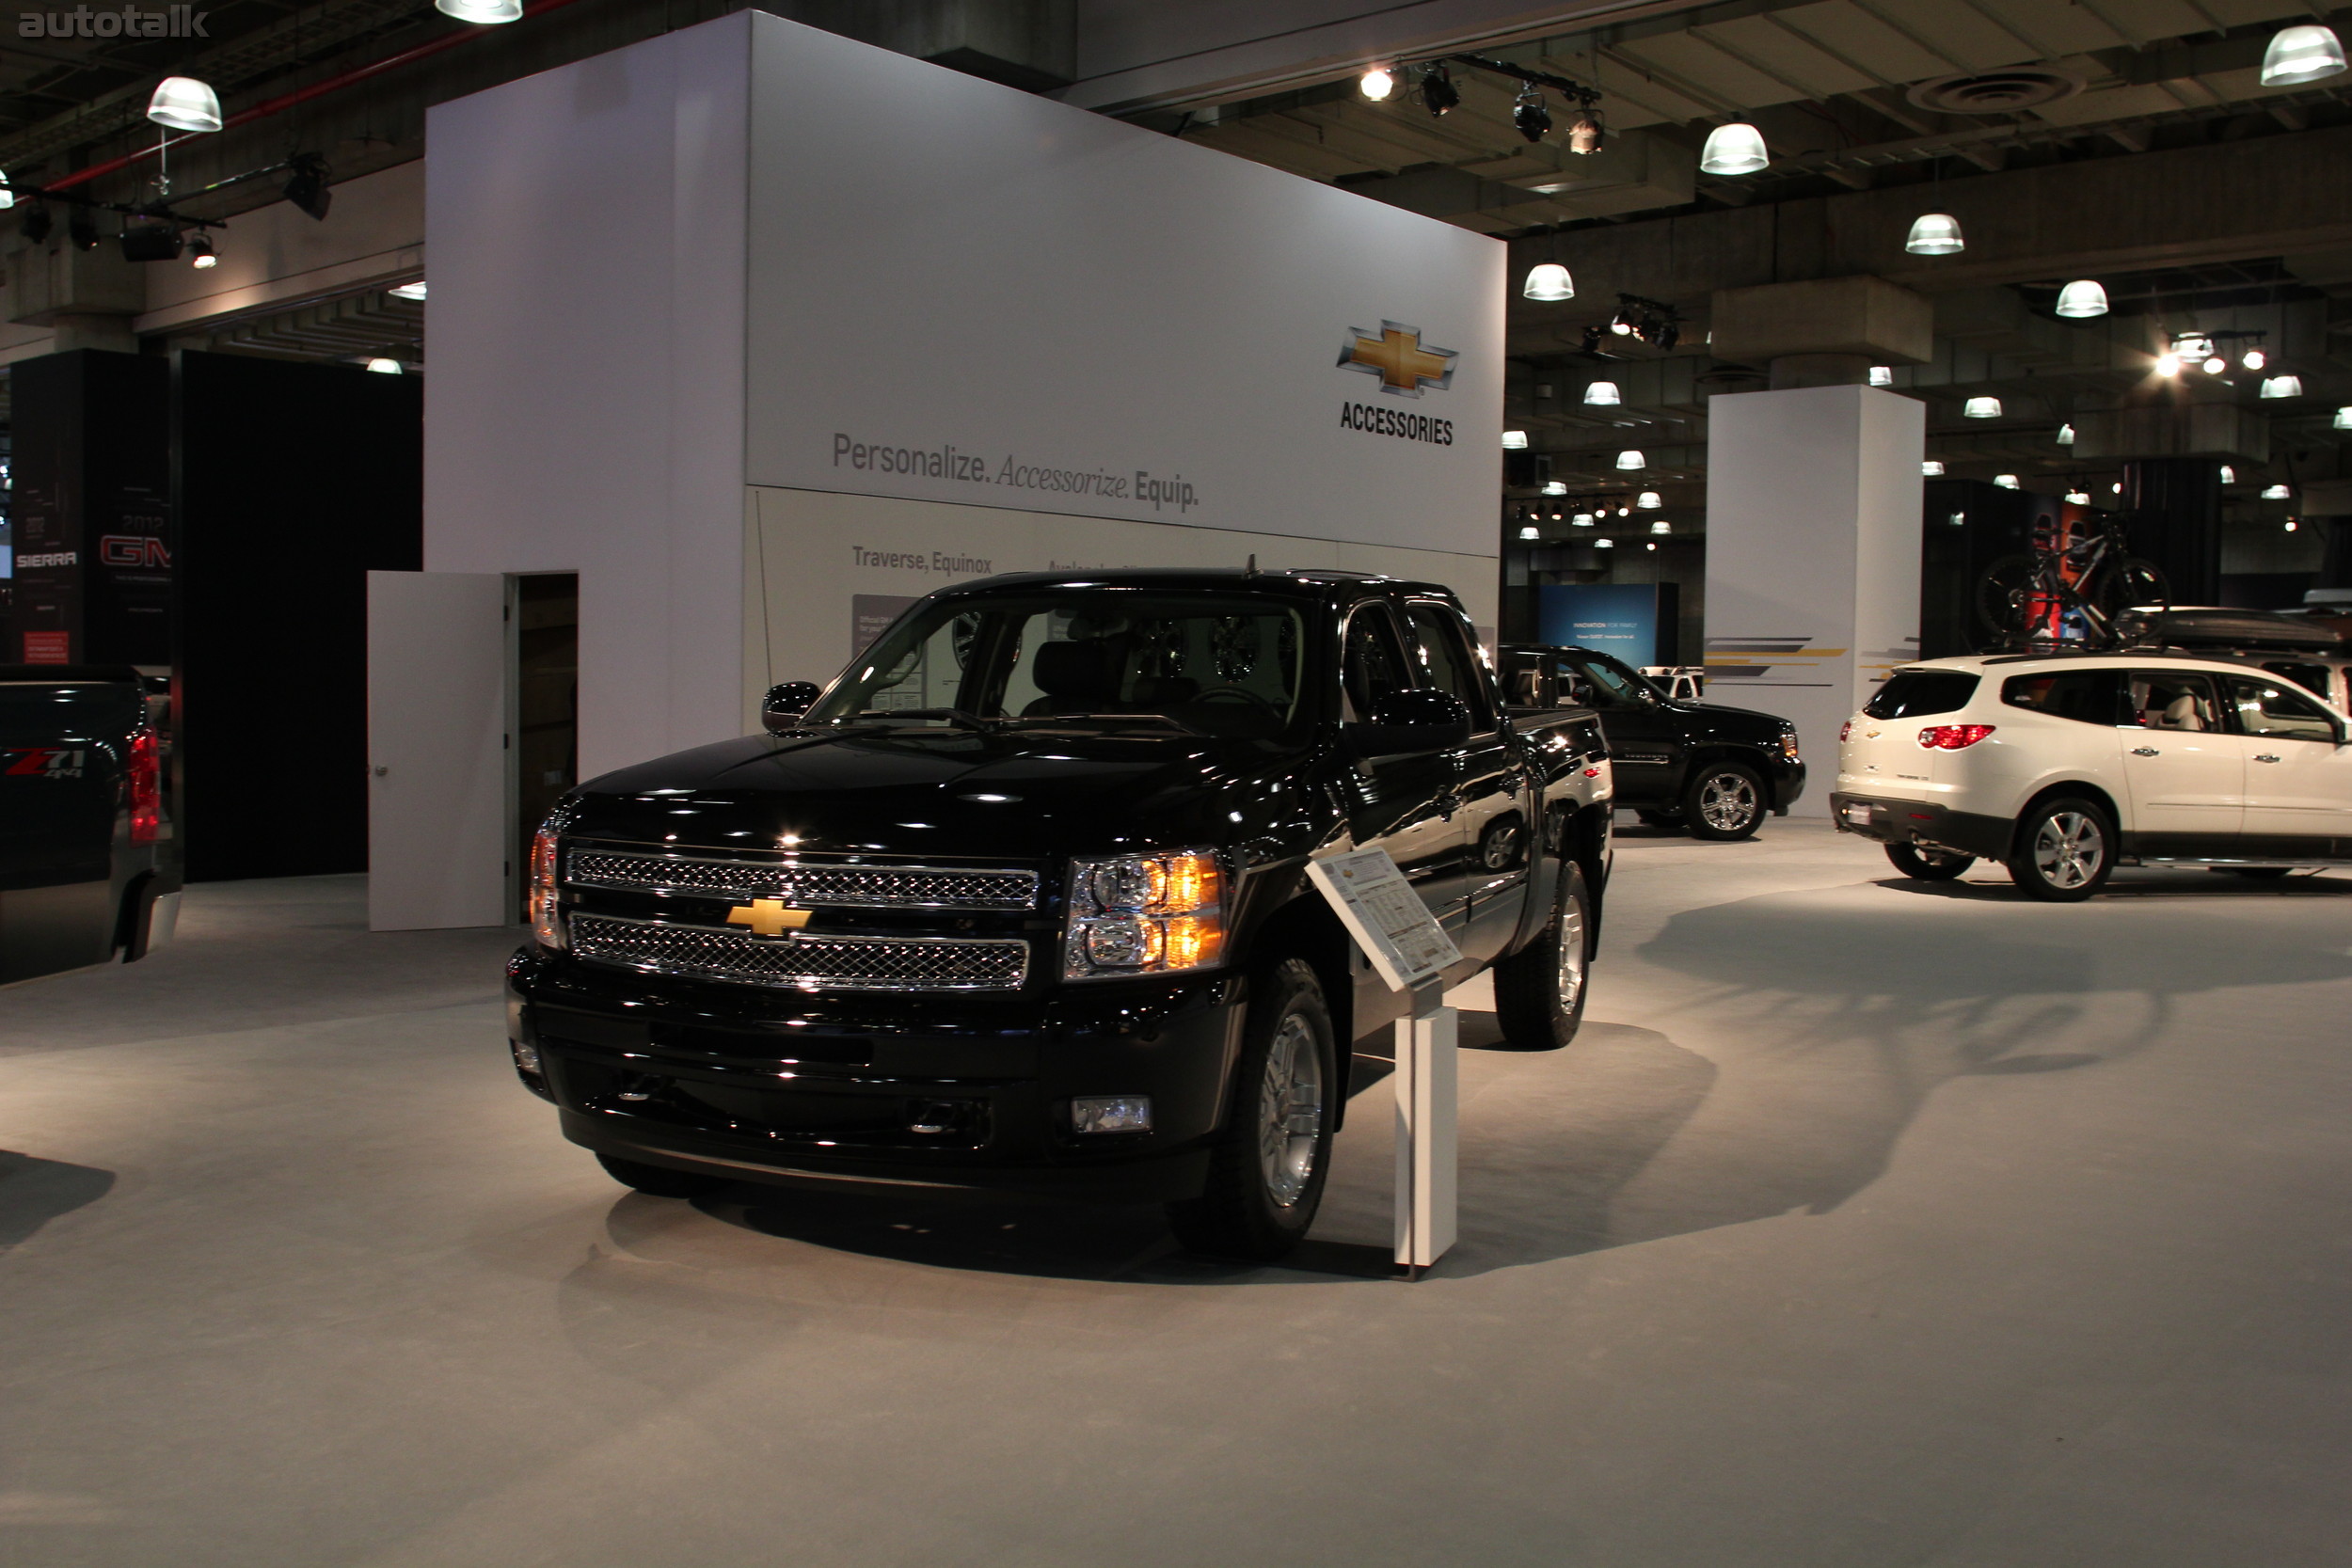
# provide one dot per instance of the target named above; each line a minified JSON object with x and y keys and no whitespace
{"x":1661,"y":526}
{"x":1549,"y":282}
{"x":1437,"y":91}
{"x":1935,"y":234}
{"x":1602,"y":394}
{"x":1982,"y":408}
{"x":1629,"y":461}
{"x":407,"y":291}
{"x":2282,"y":387}
{"x":1649,"y":500}
{"x":1555,"y":487}
{"x":1583,"y":519}
{"x":2007,"y":482}
{"x":2299,"y":55}
{"x":2078,"y":497}
{"x":1604,"y":543}
{"x":1733,"y":150}
{"x":1530,"y":534}
{"x":185,"y":104}
{"x":484,"y":11}
{"x":2276,"y":493}
{"x":2066,"y":436}
{"x":1931,"y":469}
{"x":2343,"y":418}
{"x":7,"y":194}
{"x":1882,"y":375}
{"x":1376,"y":84}
{"x":2082,"y":297}
{"x":1515,"y":440}
{"x":1532,"y":119}
{"x":387,"y":367}
{"x":2228,"y":476}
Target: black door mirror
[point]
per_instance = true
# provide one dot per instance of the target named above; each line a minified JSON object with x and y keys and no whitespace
{"x":1408,"y":721}
{"x":782,"y":708}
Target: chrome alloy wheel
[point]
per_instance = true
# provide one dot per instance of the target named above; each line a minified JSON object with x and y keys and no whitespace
{"x":1289,"y":1111}
{"x":1728,"y":801}
{"x":2069,"y":850}
{"x":1571,"y":955}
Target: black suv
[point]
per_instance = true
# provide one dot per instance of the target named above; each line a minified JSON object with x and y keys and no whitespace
{"x":1713,"y":769}
{"x":1021,"y":899}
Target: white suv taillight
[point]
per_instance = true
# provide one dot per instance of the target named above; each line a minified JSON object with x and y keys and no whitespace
{"x":546,"y":925}
{"x":1952,"y":738}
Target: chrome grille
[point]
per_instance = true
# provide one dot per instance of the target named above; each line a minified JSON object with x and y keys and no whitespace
{"x":874,"y":887}
{"x":803,"y":962}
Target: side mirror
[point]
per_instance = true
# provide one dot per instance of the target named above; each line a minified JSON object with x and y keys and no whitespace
{"x":781,"y":709}
{"x":1403,"y":722}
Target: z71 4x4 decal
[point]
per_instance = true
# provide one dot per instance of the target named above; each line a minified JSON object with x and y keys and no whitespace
{"x":43,"y":762}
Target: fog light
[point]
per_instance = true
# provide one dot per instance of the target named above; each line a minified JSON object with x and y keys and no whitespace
{"x":526,"y":1058}
{"x":1113,"y":1113}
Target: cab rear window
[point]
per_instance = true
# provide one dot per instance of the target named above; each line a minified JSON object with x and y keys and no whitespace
{"x":1911,"y":693}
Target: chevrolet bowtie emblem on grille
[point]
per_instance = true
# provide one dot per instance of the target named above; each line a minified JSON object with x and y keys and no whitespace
{"x":1395,"y":355}
{"x":768,"y":917}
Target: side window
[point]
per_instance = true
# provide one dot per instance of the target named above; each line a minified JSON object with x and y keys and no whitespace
{"x":2086,"y":696}
{"x":1612,"y":684}
{"x":2171,"y":700}
{"x":1447,"y":655}
{"x":2277,"y":711}
{"x":1373,"y":664}
{"x":2310,"y":677}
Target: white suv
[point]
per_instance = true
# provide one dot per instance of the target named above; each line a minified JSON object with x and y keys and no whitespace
{"x":2061,"y":767}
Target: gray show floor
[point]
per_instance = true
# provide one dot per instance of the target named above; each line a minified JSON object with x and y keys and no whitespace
{"x":1866,"y":1224}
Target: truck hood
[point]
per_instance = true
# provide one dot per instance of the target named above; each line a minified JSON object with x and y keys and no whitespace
{"x":1017,"y":795}
{"x":1730,"y":718}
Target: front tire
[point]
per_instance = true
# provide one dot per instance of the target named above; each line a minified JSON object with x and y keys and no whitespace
{"x":1924,"y":865}
{"x":1267,"y":1168}
{"x":1539,"y":990}
{"x":1725,"y":801}
{"x":658,"y":1180}
{"x":2063,"y":851}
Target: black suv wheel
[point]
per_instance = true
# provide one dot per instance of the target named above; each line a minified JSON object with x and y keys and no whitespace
{"x":1539,"y":991}
{"x":2063,"y":850}
{"x":1267,"y":1168}
{"x":1723,"y":800}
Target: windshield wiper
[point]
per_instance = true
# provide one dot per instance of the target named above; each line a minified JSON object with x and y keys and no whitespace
{"x":1168,"y":718}
{"x":953,"y":715}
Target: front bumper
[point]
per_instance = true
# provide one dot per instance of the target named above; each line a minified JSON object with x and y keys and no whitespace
{"x":1921,"y":822}
{"x":780,"y":1085}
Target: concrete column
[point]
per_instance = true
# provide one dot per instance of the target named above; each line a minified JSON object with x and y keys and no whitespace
{"x":1812,"y":555}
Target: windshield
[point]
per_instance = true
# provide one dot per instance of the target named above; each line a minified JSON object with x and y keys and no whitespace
{"x":1200,"y":664}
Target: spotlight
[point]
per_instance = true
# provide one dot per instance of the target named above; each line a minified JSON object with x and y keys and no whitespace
{"x":2254,"y":360}
{"x":2284,"y":387}
{"x":2117,"y":487}
{"x":1515,"y":440}
{"x":2082,"y":297}
{"x":2277,"y":493}
{"x":1666,"y":334}
{"x":1530,"y":116}
{"x":407,"y":291}
{"x":1629,"y":461}
{"x":1593,"y":336}
{"x":185,"y":104}
{"x":1982,"y":408}
{"x":1649,"y":500}
{"x":1650,"y":547}
{"x":2290,"y":525}
{"x":1935,"y":234}
{"x":1882,"y":375}
{"x":1437,"y":91}
{"x":8,"y":193}
{"x":150,"y":242}
{"x":2299,"y":55}
{"x":2066,"y":436}
{"x":484,"y":11}
{"x":83,"y":231}
{"x":1622,"y":322}
{"x":387,"y":367}
{"x":1931,"y":469}
{"x":35,"y":225}
{"x":1586,"y":134}
{"x":1376,"y":84}
{"x":2193,"y":345}
{"x":1734,"y":148}
{"x":307,"y":188}
{"x":1624,"y":511}
{"x":1602,"y":394}
{"x":200,"y":255}
{"x":2167,"y":363}
{"x":1549,"y":282}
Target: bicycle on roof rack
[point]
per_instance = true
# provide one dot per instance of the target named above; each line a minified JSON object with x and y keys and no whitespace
{"x":2077,"y":588}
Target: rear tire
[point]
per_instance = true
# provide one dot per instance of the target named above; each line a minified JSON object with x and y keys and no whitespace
{"x":2064,"y":849}
{"x":658,"y":1180}
{"x":1539,"y":990}
{"x":1725,"y":801}
{"x":1928,"y":865}
{"x":1267,"y":1167}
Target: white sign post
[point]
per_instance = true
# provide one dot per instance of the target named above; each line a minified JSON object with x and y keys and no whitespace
{"x":1409,"y":950}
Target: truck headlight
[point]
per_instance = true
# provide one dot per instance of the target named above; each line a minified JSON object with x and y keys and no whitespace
{"x":1788,"y":744}
{"x":1144,"y":915}
{"x":547,"y":926}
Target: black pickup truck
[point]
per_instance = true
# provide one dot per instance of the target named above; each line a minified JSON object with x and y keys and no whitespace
{"x":1716,"y":770}
{"x":88,"y":868}
{"x":1019,"y":900}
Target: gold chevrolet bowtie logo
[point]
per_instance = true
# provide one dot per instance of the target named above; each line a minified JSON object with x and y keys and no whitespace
{"x":1395,"y":355}
{"x":768,"y":917}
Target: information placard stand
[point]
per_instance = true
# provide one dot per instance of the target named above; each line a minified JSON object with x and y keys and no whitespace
{"x":1410,"y":951}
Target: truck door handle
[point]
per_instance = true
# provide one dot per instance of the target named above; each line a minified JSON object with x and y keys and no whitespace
{"x":2265,"y":757}
{"x":2143,"y":750}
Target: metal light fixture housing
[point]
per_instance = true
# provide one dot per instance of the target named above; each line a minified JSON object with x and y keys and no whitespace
{"x":1649,"y":500}
{"x":8,"y":193}
{"x":1532,"y":119}
{"x":2066,"y":436}
{"x":1629,"y":461}
{"x":2081,"y":298}
{"x":1604,"y":543}
{"x":1982,"y":408}
{"x":1437,"y":91}
{"x":1586,"y":134}
{"x":2254,"y":360}
{"x":1935,"y":234}
{"x":383,"y":366}
{"x":1549,"y":282}
{"x":1555,"y":487}
{"x":1376,"y":84}
{"x":2299,"y":55}
{"x":1882,"y":375}
{"x":1931,"y":468}
{"x":1602,"y":394}
{"x":487,"y":12}
{"x":1583,"y":519}
{"x":1515,"y":440}
{"x":2228,"y":476}
{"x":2282,"y":387}
{"x":2343,"y":418}
{"x":200,"y":255}
{"x":185,"y":104}
{"x":1530,"y":533}
{"x":2216,"y":365}
{"x":2277,"y":493}
{"x":2007,"y":482}
{"x":1734,"y":150}
{"x":1661,"y":526}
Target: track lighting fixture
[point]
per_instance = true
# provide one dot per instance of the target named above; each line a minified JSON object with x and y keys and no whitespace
{"x":200,"y":255}
{"x":2216,"y":365}
{"x":2081,"y":298}
{"x":2167,"y":363}
{"x":2282,"y":387}
{"x":1982,"y":408}
{"x":1532,"y":119}
{"x":1935,"y":234}
{"x":306,"y":187}
{"x":1437,"y":91}
{"x":2299,"y":55}
{"x":1733,"y":150}
{"x":1376,"y":84}
{"x":1549,"y":282}
{"x":2290,"y":525}
{"x":185,"y":104}
{"x":2078,"y":497}
{"x":1625,"y":511}
{"x":1602,"y":394}
{"x":2254,"y":360}
{"x":1586,"y":134}
{"x":487,"y":12}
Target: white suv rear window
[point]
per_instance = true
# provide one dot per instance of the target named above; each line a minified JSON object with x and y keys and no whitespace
{"x":1911,"y":693}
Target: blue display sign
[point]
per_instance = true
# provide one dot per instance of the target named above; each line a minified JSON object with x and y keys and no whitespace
{"x":1615,"y":618}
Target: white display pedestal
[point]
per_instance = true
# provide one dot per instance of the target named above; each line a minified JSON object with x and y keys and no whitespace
{"x":1427,"y":1142}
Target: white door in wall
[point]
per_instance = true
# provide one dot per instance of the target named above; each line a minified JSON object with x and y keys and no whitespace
{"x":436,"y":751}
